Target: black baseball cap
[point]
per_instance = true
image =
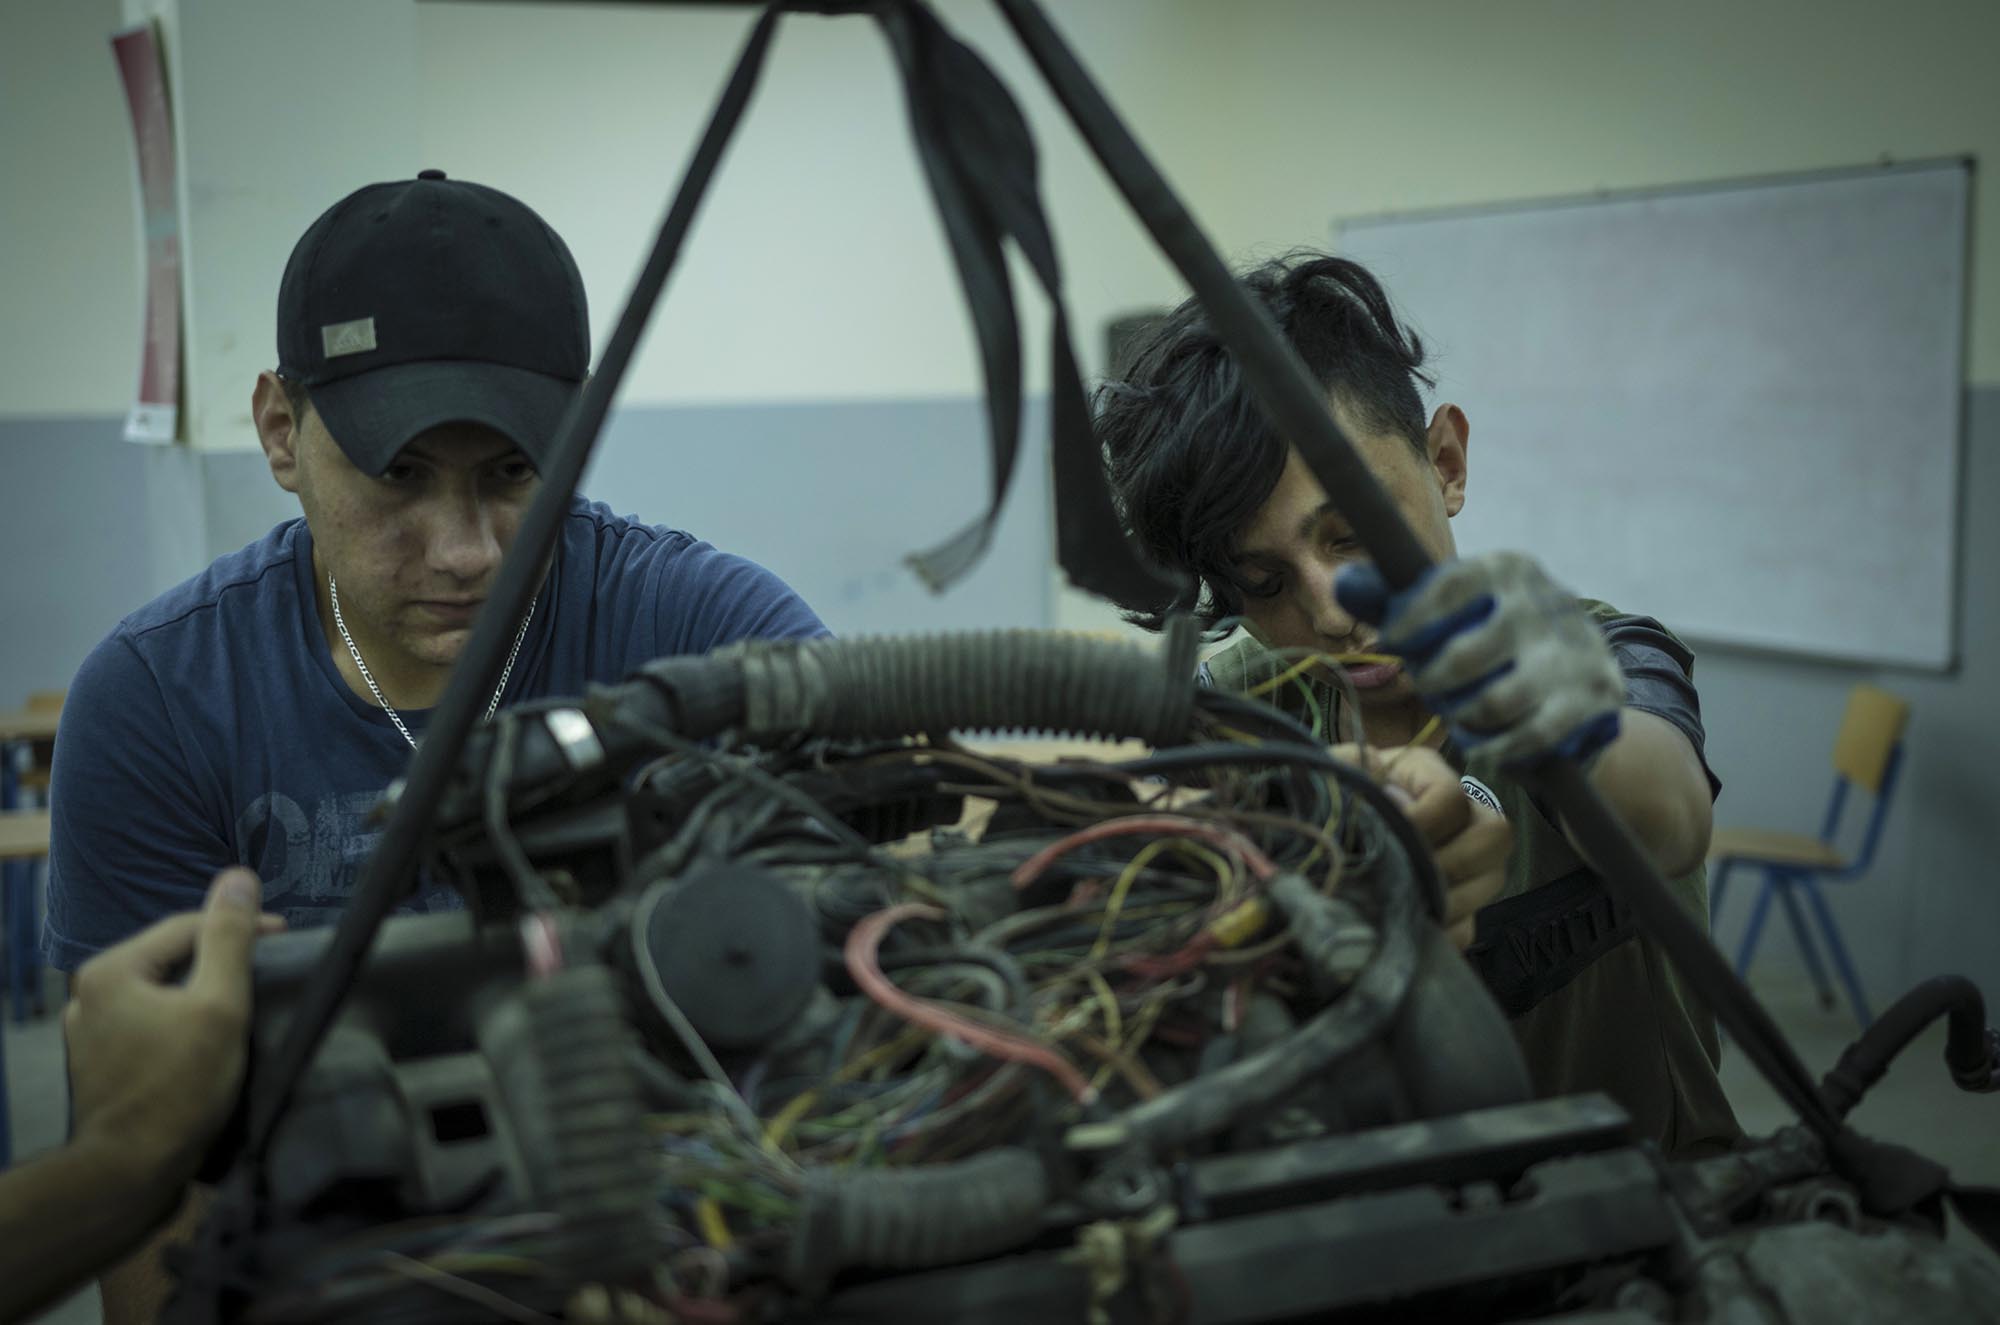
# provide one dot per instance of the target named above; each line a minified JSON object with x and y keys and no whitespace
{"x":422,"y":302}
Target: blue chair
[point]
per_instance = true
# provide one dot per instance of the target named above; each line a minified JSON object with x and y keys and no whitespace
{"x":1867,"y":754}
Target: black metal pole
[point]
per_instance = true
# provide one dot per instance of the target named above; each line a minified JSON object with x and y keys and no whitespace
{"x":1281,"y":384}
{"x":386,"y":878}
{"x":1295,"y":404}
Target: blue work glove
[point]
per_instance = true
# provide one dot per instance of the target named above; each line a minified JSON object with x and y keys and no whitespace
{"x":1501,"y":651}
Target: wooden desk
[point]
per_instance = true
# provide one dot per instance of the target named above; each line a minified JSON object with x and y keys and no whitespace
{"x":24,"y":835}
{"x":29,"y":724}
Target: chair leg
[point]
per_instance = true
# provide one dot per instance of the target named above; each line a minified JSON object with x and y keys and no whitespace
{"x":1802,"y":934}
{"x":6,"y":1122}
{"x":20,"y":925}
{"x":38,"y":888}
{"x":1715,"y":887}
{"x":1841,"y":962}
{"x":10,"y":889}
{"x":1756,"y":927}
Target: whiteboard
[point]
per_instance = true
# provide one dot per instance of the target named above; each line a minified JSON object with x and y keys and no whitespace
{"x":1734,"y":408}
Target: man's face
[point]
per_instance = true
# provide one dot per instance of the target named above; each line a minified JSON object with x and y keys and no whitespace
{"x":1291,"y":548}
{"x":415,"y":551}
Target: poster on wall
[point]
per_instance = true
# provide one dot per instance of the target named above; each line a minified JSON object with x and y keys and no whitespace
{"x":155,"y":415}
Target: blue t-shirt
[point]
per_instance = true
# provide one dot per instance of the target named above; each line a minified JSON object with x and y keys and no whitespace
{"x":212,"y":729}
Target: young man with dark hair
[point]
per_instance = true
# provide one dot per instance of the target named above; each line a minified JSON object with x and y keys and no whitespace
{"x":1519,"y":668}
{"x":431,"y":335}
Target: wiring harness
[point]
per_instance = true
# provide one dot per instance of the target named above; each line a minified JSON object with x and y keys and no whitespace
{"x":751,"y":1034}
{"x":778,"y":996}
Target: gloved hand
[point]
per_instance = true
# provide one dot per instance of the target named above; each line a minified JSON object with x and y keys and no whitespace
{"x":1501,"y":651}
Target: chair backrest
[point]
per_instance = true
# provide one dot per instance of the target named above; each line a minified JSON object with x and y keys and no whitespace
{"x":41,"y":753}
{"x":1867,"y":754}
{"x":1868,"y":736}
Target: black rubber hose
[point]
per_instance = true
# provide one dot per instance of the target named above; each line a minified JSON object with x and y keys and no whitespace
{"x":909,"y":1219}
{"x":600,"y":1181}
{"x":692,"y":696}
{"x":663,"y":1088}
{"x":1334,"y":940}
{"x":1212,"y":1102}
{"x":886,"y":689}
{"x":1971,"y":1049}
{"x":1008,"y":680}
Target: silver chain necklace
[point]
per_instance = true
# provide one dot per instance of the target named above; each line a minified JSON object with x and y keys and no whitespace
{"x":492,"y":707}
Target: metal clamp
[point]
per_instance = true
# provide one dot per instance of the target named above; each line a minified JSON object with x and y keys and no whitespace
{"x":575,"y":737}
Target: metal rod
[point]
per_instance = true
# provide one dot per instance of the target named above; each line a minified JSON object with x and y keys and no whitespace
{"x":386,"y":878}
{"x":1632,"y":879}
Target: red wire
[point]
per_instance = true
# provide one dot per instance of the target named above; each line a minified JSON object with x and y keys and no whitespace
{"x":1150,"y":967}
{"x":865,"y":941}
{"x":1177,"y":825}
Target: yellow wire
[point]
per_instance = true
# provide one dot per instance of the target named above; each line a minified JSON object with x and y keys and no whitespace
{"x":1122,"y":887}
{"x":492,"y":1262}
{"x":1389,"y":761}
{"x":1224,"y":877}
{"x":1299,"y":668}
{"x":1114,"y":1024}
{"x":714,"y":1228}
{"x":1141,"y":1028}
{"x":1312,"y":660}
{"x":1326,"y":829}
{"x":788,"y":1117}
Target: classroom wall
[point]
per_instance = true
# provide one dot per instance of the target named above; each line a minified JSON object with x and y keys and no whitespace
{"x":1390,"y":106}
{"x":817,"y":270}
{"x":816,"y":277}
{"x":810,"y":378}
{"x":1932,"y":903}
{"x":69,"y":295}
{"x":698,"y":466}
{"x":1372,"y":106}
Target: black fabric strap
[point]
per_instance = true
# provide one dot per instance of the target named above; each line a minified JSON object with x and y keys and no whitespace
{"x":980,"y":160}
{"x":1528,"y":947}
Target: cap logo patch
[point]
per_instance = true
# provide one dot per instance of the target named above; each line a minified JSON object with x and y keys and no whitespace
{"x":356,"y":337}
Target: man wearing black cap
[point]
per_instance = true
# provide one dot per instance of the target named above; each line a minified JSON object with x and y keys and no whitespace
{"x":431,"y":335}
